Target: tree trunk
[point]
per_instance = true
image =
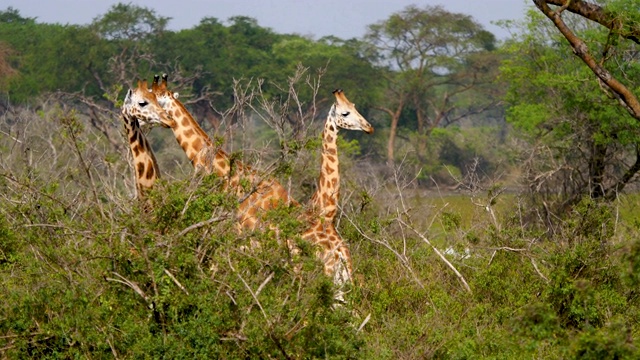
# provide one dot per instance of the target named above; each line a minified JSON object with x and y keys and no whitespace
{"x":614,"y":190}
{"x":393,"y":129}
{"x":597,"y":165}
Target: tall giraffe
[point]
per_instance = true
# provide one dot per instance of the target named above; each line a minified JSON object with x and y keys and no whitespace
{"x":141,"y":105}
{"x":343,"y":114}
{"x":257,"y":194}
{"x":334,"y":252}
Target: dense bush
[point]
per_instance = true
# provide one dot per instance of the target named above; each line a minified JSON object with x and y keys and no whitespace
{"x":88,"y":271}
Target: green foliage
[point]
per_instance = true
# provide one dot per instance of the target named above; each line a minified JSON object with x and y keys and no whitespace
{"x":143,"y":283}
{"x":576,"y":131}
{"x":463,"y":152}
{"x":129,"y":22}
{"x":451,"y":221}
{"x":8,"y":243}
{"x":626,"y":12}
{"x":173,"y":278}
{"x":87,"y":272}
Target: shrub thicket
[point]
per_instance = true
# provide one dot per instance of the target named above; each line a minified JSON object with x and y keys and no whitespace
{"x":87,"y":271}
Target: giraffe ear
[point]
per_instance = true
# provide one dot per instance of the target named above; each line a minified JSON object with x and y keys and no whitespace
{"x":175,"y":95}
{"x":127,"y":98}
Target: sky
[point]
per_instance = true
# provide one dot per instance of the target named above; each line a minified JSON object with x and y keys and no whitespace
{"x":316,"y":18}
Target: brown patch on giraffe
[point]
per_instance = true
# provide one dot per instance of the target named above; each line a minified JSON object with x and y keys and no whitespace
{"x":136,"y":150}
{"x":140,"y":167}
{"x":322,"y":243}
{"x":185,"y":122}
{"x":334,"y":182}
{"x":332,"y":151}
{"x":189,"y":133}
{"x":197,"y":144}
{"x":151,"y":172}
{"x":331,"y":158}
{"x":222,"y":164}
{"x":252,"y":211}
{"x":329,"y":138}
{"x":328,"y":169}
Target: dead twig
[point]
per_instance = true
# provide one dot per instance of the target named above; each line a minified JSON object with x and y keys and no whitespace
{"x":442,"y":257}
{"x":201,"y":224}
{"x":175,"y":281}
{"x":122,"y":280}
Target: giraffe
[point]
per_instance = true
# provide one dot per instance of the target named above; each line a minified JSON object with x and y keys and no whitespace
{"x":323,"y":203}
{"x":257,"y":194}
{"x":343,"y":114}
{"x":141,"y":105}
{"x":268,"y":193}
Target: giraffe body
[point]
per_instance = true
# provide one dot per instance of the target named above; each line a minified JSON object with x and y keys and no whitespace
{"x":257,"y":194}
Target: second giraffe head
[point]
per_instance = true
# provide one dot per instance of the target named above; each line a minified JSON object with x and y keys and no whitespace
{"x":346,"y":116}
{"x":141,"y":104}
{"x":166,"y":99}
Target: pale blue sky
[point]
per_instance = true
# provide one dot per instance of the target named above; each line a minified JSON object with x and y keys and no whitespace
{"x":342,"y":18}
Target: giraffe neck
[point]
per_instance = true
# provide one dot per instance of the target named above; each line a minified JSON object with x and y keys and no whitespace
{"x":325,"y":199}
{"x":144,"y":161}
{"x":331,"y":249}
{"x":195,"y":142}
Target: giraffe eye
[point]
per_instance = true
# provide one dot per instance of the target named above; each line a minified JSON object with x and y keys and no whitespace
{"x":345,"y":114}
{"x":143,"y":103}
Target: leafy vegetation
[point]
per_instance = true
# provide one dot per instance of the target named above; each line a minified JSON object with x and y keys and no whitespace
{"x":483,"y":240}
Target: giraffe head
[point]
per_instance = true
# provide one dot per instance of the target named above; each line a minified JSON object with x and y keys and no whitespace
{"x":142,"y":104}
{"x":166,"y":99}
{"x":346,"y":116}
{"x":164,"y":96}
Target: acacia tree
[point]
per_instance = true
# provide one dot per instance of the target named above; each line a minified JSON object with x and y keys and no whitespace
{"x":620,"y":20}
{"x":431,"y":58}
{"x":584,"y":143}
{"x":610,"y":53}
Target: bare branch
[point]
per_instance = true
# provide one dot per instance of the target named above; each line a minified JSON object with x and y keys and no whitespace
{"x":440,"y":255}
{"x":175,"y":281}
{"x":122,"y":280}
{"x":580,"y":48}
